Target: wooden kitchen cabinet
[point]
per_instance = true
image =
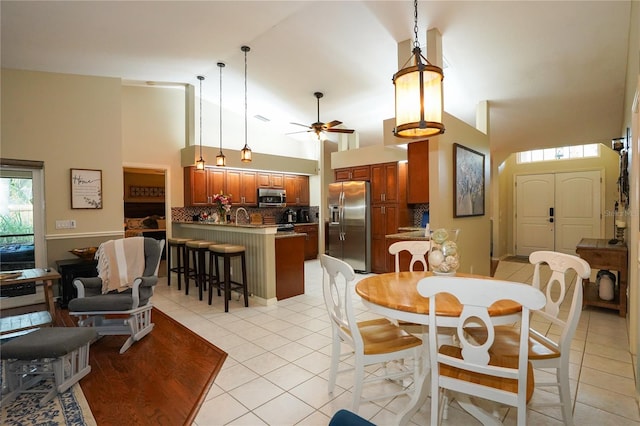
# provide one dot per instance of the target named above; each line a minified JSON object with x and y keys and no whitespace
{"x":353,"y":173}
{"x":242,"y":184}
{"x":311,"y":241}
{"x":297,"y":187}
{"x":385,"y":183}
{"x":418,"y":172}
{"x":289,"y":266}
{"x":270,"y":180}
{"x":384,"y":221}
{"x":201,"y":185}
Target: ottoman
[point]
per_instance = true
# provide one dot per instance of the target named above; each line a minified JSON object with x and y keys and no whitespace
{"x":61,"y":353}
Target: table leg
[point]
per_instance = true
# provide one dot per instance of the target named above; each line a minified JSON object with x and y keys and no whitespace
{"x":48,"y":299}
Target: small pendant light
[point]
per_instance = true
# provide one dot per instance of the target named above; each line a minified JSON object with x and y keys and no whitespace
{"x":221,"y":160}
{"x":418,"y":90}
{"x":200,"y":162}
{"x":245,"y":153}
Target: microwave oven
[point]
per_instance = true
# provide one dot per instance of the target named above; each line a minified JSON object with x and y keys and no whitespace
{"x":272,"y":197}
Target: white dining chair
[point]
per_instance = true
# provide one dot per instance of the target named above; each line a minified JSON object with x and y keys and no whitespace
{"x":417,"y":249}
{"x":376,"y":341}
{"x":477,"y":368}
{"x":550,"y":348}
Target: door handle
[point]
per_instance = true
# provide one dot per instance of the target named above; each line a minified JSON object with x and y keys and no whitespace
{"x":551,"y":211}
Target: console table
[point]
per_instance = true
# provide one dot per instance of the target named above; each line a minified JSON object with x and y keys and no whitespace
{"x":70,"y":269}
{"x":602,"y":255}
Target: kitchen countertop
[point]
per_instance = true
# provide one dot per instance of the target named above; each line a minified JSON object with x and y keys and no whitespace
{"x":409,"y":235}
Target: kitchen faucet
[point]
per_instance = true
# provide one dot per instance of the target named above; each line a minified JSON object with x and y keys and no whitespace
{"x":246,"y":213}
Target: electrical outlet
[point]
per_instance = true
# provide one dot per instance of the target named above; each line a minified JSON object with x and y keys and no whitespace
{"x":66,"y":224}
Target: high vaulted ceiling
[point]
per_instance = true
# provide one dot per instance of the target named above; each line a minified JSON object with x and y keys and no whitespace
{"x":553,"y":71}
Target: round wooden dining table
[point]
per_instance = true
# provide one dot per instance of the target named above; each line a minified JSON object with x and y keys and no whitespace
{"x":395,"y":295}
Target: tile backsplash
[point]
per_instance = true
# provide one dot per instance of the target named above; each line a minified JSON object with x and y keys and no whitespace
{"x":187,"y":213}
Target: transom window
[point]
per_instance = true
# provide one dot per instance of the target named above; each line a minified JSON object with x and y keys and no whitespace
{"x":560,"y":153}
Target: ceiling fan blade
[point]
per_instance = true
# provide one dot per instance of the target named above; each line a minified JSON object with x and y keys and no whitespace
{"x":333,"y":123}
{"x":340,"y":130}
{"x":298,"y":124}
{"x":295,"y":133}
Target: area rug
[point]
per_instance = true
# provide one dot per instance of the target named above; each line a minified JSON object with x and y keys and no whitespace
{"x":161,"y":380}
{"x":68,"y":408}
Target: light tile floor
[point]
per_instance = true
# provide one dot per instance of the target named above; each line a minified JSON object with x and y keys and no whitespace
{"x":277,"y":368}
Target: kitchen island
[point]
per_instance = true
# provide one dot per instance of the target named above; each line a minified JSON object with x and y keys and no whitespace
{"x":263,"y":275}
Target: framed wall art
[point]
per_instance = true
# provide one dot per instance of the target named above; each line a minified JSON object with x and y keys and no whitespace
{"x":86,"y":189}
{"x":468,"y":182}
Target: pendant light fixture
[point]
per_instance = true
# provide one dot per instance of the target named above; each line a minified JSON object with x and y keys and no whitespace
{"x":245,"y":153}
{"x":221,"y":160}
{"x":418,"y":90}
{"x":200,"y":162}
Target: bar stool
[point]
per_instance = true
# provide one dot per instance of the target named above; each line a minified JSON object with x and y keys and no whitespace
{"x":182,"y":260}
{"x":228,"y":251}
{"x":196,"y":250}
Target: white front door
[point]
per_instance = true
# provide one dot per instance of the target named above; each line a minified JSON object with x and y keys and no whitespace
{"x":555,"y":211}
{"x":534,"y":204}
{"x":577,"y":209}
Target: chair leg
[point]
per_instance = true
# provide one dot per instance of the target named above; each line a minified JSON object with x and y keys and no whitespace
{"x":169,"y":265}
{"x":358,"y":380}
{"x":227,"y":282}
{"x":201,"y":271}
{"x":565,"y":395}
{"x":244,"y":281}
{"x":180,"y":256}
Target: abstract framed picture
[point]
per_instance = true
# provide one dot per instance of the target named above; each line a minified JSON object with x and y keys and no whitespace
{"x":86,"y":189}
{"x":468,"y":182}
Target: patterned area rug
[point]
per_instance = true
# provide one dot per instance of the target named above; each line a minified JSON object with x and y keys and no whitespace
{"x":68,"y":408}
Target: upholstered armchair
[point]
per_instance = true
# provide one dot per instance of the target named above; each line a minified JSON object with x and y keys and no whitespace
{"x":129,"y":307}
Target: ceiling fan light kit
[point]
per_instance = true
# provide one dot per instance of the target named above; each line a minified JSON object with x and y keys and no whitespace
{"x":245,"y":153}
{"x":221,"y":160}
{"x":319,"y":128}
{"x":200,"y":162}
{"x":418,"y":93}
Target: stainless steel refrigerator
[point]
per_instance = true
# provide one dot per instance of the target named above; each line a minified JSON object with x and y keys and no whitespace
{"x":349,"y":224}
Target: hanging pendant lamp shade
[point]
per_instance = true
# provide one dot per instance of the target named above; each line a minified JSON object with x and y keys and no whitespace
{"x":221,"y":160}
{"x":245,"y":153}
{"x":200,"y":162}
{"x":418,"y":90}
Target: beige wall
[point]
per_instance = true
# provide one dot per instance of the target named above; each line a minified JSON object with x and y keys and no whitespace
{"x":608,"y":162}
{"x":67,"y":121}
{"x":475,"y":232}
{"x":153,"y":133}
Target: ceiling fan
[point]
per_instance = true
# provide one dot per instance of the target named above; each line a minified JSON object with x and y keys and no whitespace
{"x":318,"y":127}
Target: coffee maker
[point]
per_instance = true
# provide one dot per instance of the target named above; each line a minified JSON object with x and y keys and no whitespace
{"x":290,"y":216}
{"x":303,"y":216}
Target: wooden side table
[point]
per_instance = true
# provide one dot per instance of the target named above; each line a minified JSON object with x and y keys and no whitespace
{"x":602,"y":255}
{"x":70,"y":269}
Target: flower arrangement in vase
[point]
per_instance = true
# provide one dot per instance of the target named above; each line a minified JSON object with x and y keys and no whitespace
{"x":222,"y":203}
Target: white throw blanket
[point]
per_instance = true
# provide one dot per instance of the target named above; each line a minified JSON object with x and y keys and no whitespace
{"x":120,"y":262}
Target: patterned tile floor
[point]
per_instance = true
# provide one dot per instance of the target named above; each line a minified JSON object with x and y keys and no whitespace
{"x":277,"y":369}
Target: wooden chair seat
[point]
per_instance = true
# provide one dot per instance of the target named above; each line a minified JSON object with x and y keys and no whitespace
{"x":381,"y":336}
{"x":502,"y":360}
{"x":507,"y":339}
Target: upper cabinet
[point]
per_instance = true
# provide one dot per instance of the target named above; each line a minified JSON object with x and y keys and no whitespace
{"x":297,"y":187}
{"x":418,"y":172}
{"x":353,"y":173}
{"x":201,"y":185}
{"x":385,"y":186}
{"x":241,"y":185}
{"x":270,"y":180}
